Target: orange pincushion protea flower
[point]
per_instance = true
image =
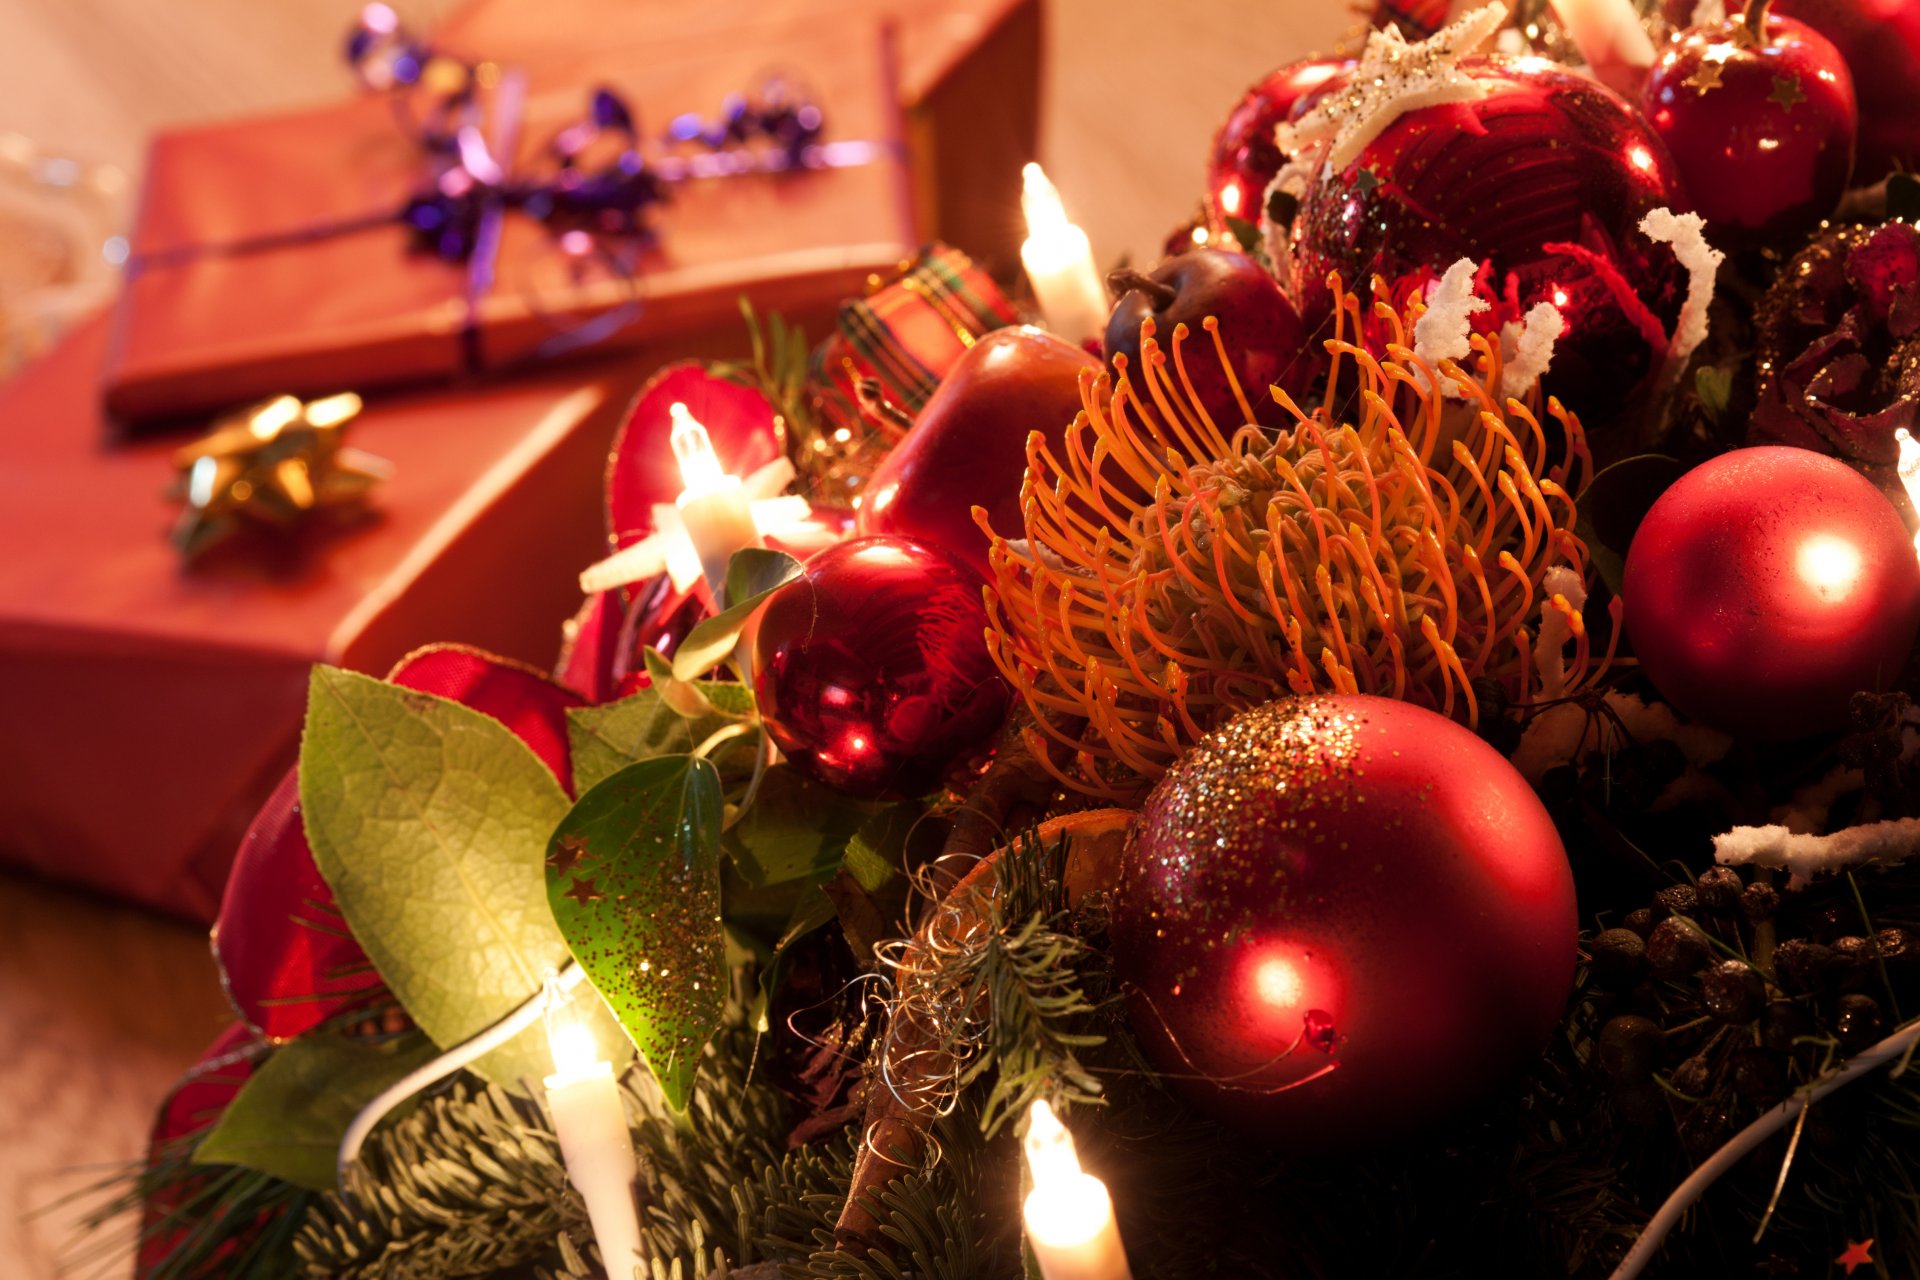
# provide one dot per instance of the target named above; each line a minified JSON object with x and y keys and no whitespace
{"x":1407,"y":553}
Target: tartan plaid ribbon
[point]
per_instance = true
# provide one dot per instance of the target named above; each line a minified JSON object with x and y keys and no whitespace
{"x":909,"y":333}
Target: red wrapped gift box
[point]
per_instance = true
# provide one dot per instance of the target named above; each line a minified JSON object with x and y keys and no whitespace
{"x":229,"y":298}
{"x":969,"y":79}
{"x":146,"y":708}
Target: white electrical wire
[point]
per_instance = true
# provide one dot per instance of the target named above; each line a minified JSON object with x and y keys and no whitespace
{"x":451,"y":1061}
{"x":1900,"y":1042}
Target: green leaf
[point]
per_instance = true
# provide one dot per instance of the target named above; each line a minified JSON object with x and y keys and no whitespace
{"x":607,"y":738}
{"x":429,"y":821}
{"x":633,"y":876}
{"x":288,"y":1119}
{"x":795,"y":829}
{"x":1613,"y":504}
{"x":1713,"y":387}
{"x":752,"y":575}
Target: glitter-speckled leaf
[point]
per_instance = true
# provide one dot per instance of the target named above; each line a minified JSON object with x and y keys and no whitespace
{"x":607,"y":738}
{"x":633,"y":874}
{"x":289,"y":1117}
{"x":429,"y":821}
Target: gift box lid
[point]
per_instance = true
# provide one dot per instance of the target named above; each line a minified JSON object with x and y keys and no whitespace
{"x":268,"y":257}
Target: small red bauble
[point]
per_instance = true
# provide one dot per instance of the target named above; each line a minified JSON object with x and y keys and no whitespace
{"x":1766,"y":587}
{"x":872,"y":668}
{"x":1342,"y":917}
{"x":1880,"y":39}
{"x":1245,"y":159}
{"x":1761,"y":125}
{"x":1546,"y":178}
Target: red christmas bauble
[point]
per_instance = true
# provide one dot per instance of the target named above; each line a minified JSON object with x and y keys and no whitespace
{"x":1244,"y":158}
{"x":1766,"y":587}
{"x":1341,"y":917}
{"x":1547,"y":179}
{"x":872,"y":668}
{"x":1762,"y":129}
{"x":1880,"y":39}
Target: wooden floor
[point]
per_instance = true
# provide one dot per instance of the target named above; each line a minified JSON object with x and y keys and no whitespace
{"x":100,"y":1007}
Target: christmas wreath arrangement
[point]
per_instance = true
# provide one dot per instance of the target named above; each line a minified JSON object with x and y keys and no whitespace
{"x":1395,"y":758}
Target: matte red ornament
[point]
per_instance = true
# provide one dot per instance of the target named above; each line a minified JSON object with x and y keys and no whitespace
{"x":1547,"y":179}
{"x":872,"y":670}
{"x":1758,"y":112}
{"x":1880,"y":40}
{"x":1342,"y":917}
{"x":968,"y":446}
{"x":1245,"y":158}
{"x":1768,"y":586}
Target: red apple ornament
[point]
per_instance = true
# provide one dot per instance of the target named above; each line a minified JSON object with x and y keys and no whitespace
{"x":1546,"y":178}
{"x":1245,"y":158}
{"x":1259,"y":326}
{"x":968,"y":446}
{"x":1342,"y":917}
{"x":1880,"y":39}
{"x":872,"y":668}
{"x":1766,"y":587}
{"x":1758,"y":111}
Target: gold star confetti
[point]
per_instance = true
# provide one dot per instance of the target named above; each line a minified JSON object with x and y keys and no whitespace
{"x":583,"y":891}
{"x":272,"y":464}
{"x":566,"y":853}
{"x":1787,"y":91}
{"x":1705,"y":76}
{"x":1857,"y":1255}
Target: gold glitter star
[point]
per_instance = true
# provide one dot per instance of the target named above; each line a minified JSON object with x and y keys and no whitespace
{"x":583,"y":891}
{"x":1366,"y":181}
{"x":1705,"y":76}
{"x":566,"y":853}
{"x":1857,"y":1255}
{"x":270,"y":464}
{"x":1787,"y":91}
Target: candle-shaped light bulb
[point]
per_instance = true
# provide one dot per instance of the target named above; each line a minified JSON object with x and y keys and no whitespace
{"x":595,"y":1142}
{"x":700,"y":470}
{"x":714,"y":507}
{"x":1909,"y":469}
{"x":1059,"y":262}
{"x":1069,"y":1216}
{"x":1612,"y":40}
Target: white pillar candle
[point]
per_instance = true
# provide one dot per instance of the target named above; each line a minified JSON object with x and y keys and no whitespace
{"x":1059,"y":262}
{"x":1069,"y":1216}
{"x":595,"y":1142}
{"x":714,"y":506}
{"x":1612,"y":39}
{"x":1909,"y":470}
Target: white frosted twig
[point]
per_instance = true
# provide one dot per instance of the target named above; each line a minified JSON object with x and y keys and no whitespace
{"x":1894,"y":840}
{"x":1900,"y":1042}
{"x":448,"y":1063}
{"x":1686,"y":234}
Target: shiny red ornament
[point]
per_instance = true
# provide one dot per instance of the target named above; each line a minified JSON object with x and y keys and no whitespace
{"x":1758,"y":113}
{"x":1880,"y":40}
{"x":1768,"y":586}
{"x":1341,"y":918}
{"x":1546,"y":178}
{"x":872,"y":671}
{"x":1245,"y":158}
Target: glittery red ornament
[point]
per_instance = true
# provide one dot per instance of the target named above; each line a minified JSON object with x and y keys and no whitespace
{"x":1766,"y":587}
{"x":1880,"y":39}
{"x":1342,"y":917}
{"x":872,"y":669}
{"x":1760,"y":120}
{"x":1245,"y":159}
{"x":1546,"y":178}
